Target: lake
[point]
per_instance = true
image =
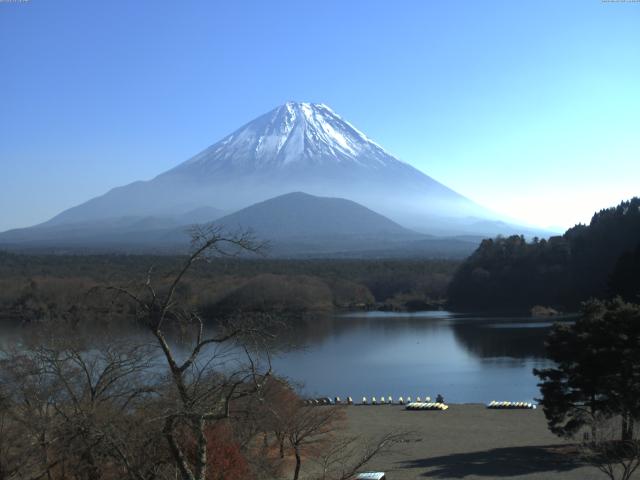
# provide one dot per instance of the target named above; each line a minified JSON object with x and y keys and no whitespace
{"x":466,"y":358}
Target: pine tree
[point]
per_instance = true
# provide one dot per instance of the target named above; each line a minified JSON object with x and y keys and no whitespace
{"x":597,"y":369}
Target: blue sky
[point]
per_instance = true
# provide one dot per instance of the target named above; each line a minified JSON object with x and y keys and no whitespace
{"x":530,"y":108}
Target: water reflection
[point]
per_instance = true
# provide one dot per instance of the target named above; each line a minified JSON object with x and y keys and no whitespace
{"x":467,"y":358}
{"x":504,"y":338}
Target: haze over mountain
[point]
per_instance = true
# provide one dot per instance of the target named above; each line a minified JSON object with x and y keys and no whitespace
{"x":127,"y":232}
{"x":294,"y":225}
{"x":297,"y":147}
{"x":298,"y":224}
{"x":300,"y":215}
{"x":301,"y":147}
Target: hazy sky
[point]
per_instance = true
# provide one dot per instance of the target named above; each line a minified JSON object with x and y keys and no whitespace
{"x":530,"y":108}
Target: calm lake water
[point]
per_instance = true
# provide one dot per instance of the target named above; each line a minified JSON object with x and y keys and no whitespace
{"x":465,"y":358}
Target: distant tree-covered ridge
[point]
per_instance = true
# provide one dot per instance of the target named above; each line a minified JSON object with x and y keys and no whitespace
{"x":601,"y":259}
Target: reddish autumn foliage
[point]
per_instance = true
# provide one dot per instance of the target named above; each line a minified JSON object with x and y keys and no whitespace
{"x":225,"y":460}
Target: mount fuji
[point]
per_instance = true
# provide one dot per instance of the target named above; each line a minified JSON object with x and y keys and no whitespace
{"x":297,"y":147}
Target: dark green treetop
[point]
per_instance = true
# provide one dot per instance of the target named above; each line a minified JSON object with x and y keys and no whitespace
{"x":597,"y":368}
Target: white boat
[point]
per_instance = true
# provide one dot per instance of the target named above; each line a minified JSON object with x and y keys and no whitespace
{"x":371,"y":476}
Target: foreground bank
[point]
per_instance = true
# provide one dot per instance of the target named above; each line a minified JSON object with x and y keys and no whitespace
{"x":470,"y":442}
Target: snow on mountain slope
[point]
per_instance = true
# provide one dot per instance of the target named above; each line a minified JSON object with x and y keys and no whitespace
{"x":295,"y":133}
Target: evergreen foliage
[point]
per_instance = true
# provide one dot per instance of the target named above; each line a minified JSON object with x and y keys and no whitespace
{"x":597,"y":370}
{"x":591,"y":261}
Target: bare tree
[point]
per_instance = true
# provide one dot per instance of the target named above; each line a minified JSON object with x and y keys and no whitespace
{"x":314,"y":434}
{"x":278,"y":407}
{"x":13,"y":445}
{"x":617,"y":459}
{"x":309,"y":429}
{"x":206,"y":376}
{"x":346,"y":455}
{"x":28,"y":417}
{"x":78,"y":407}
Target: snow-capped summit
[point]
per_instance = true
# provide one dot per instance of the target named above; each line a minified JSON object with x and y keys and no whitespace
{"x":296,"y":147}
{"x":296,"y":133}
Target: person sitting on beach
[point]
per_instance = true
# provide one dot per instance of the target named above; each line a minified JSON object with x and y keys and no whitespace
{"x":439,"y":399}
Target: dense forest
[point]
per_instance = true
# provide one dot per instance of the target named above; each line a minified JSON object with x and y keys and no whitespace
{"x":601,"y":260}
{"x":38,"y":287}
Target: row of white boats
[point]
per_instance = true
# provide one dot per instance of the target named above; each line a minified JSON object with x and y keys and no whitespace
{"x":510,"y":405}
{"x":382,"y":400}
{"x":427,"y":406}
{"x":390,"y":401}
{"x":410,"y":404}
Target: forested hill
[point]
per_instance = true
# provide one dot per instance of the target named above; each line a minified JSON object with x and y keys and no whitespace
{"x":601,"y":259}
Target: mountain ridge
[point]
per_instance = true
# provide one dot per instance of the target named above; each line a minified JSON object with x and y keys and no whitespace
{"x":298,"y":214}
{"x":294,"y":147}
{"x":296,"y":225}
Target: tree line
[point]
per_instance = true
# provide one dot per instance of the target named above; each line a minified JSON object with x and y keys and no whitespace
{"x":599,"y":260}
{"x":33,"y":287}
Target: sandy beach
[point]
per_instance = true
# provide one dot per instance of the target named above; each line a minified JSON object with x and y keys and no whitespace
{"x":470,"y":442}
